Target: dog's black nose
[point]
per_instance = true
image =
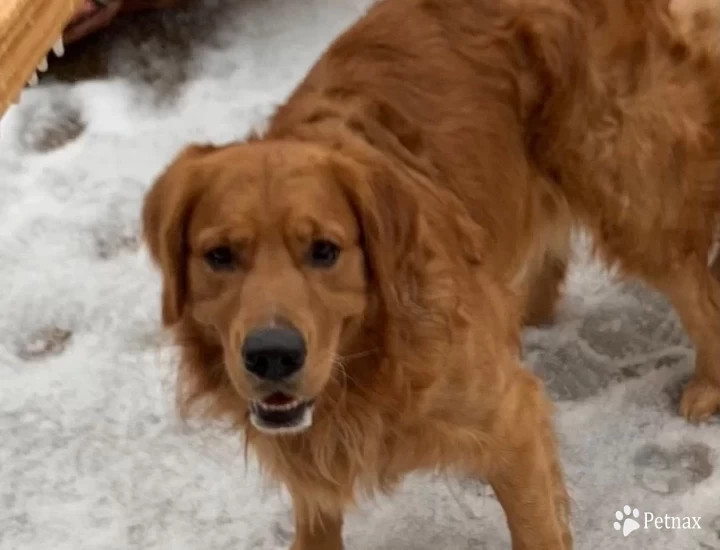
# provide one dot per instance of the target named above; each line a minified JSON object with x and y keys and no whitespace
{"x":274,"y":353}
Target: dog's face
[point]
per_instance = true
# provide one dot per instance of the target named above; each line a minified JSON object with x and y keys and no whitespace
{"x":261,"y":244}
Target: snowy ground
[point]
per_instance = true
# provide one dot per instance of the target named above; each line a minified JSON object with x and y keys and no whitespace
{"x":92,"y":456}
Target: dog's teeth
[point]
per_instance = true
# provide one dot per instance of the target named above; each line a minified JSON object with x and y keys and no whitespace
{"x":284,"y":407}
{"x":43,"y":66}
{"x":59,"y":48}
{"x":33,"y":79}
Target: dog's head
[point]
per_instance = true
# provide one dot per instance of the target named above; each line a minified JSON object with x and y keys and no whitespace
{"x":274,"y":254}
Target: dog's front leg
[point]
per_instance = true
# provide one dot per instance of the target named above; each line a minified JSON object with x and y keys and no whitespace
{"x":315,"y":529}
{"x":524,"y":469}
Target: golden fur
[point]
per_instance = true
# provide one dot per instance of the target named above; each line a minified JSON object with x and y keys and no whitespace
{"x":447,"y":147}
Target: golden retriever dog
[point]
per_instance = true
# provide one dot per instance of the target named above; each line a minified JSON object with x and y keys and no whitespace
{"x":349,"y":287}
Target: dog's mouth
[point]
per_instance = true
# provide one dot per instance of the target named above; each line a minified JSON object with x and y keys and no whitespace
{"x":280,"y":413}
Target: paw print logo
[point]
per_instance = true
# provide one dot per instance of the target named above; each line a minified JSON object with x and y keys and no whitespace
{"x":627,"y":520}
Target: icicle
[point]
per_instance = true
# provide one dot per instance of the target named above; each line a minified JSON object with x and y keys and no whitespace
{"x":59,"y":47}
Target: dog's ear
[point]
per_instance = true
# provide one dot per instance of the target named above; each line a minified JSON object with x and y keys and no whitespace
{"x":390,"y":221}
{"x":388,"y":211}
{"x":415,"y":251}
{"x":166,"y":211}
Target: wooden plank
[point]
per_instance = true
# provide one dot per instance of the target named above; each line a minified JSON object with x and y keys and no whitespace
{"x":28,"y":31}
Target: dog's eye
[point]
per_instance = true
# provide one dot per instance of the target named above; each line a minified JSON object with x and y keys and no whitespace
{"x":323,"y":253}
{"x":220,"y":258}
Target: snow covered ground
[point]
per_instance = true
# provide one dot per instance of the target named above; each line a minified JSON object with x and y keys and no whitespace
{"x":92,"y":456}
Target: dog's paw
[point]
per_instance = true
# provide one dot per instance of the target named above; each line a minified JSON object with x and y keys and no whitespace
{"x":700,"y":401}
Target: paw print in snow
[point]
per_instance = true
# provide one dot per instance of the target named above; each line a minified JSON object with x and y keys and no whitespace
{"x":627,"y":520}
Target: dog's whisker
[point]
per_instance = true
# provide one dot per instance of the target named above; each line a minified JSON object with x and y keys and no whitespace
{"x":358,"y":355}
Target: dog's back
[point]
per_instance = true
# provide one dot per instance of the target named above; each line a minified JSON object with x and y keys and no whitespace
{"x":644,"y":167}
{"x":519,"y":106}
